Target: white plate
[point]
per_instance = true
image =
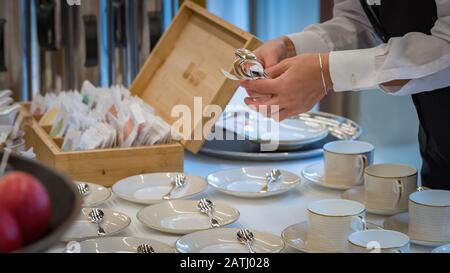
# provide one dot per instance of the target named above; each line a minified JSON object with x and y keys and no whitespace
{"x":150,"y":188}
{"x":96,"y":196}
{"x":290,"y":134}
{"x":117,"y":245}
{"x":224,"y":240}
{"x":442,"y":249}
{"x":357,"y":194}
{"x":400,"y":222}
{"x":314,"y":173}
{"x":248,"y":182}
{"x":183,"y":216}
{"x":295,"y":236}
{"x":113,"y":223}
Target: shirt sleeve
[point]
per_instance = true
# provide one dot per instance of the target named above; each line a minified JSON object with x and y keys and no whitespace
{"x":349,"y":29}
{"x":423,"y":59}
{"x":359,"y":61}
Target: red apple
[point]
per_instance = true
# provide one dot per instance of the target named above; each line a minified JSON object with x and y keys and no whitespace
{"x":28,"y":201}
{"x":10,"y":235}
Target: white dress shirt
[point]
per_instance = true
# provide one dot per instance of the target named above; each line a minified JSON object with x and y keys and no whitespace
{"x":359,"y":60}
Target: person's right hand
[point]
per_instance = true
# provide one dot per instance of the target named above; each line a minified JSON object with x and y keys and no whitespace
{"x":270,"y":54}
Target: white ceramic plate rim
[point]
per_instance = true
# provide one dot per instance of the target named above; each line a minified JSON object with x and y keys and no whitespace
{"x":118,"y":240}
{"x":202,"y":188}
{"x":288,"y":186}
{"x":319,"y":182}
{"x":235,"y":230}
{"x":106,"y":211}
{"x":183,"y":231}
{"x":96,"y":187}
{"x":283,"y":143}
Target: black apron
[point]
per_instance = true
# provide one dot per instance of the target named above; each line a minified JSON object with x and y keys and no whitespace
{"x":395,"y":18}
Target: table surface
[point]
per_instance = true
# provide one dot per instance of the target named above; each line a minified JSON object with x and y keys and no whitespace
{"x":279,"y":211}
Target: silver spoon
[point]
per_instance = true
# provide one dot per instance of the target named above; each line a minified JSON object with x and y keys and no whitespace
{"x":206,"y":207}
{"x":145,"y":249}
{"x":83,"y":189}
{"x":96,"y":216}
{"x":272,"y":177}
{"x":246,"y":238}
{"x":178,"y":182}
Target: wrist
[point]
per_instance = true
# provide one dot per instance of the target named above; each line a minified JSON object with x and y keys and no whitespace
{"x":289,"y":47}
{"x":326,"y":71}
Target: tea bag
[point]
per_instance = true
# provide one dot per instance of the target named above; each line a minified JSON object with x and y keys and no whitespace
{"x":38,"y":105}
{"x":72,"y":140}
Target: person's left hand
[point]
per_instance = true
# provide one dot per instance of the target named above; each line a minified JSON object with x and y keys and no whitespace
{"x":296,"y":86}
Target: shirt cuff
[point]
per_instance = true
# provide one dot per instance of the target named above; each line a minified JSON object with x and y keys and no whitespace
{"x":353,"y":69}
{"x":308,"y":42}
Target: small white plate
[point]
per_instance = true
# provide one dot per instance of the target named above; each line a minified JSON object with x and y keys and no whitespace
{"x":289,"y":134}
{"x":96,"y":196}
{"x":248,"y":182}
{"x":149,"y":189}
{"x":224,"y":240}
{"x":357,"y":194}
{"x":445,"y":249}
{"x":295,"y":236}
{"x":117,"y":245}
{"x":183,"y":216}
{"x":315,"y":172}
{"x":400,"y":222}
{"x":113,"y":223}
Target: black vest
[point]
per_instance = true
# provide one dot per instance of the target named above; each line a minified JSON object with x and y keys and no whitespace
{"x":395,"y":18}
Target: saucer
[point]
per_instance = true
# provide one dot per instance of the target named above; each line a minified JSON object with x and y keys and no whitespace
{"x":184,"y":217}
{"x":149,"y":189}
{"x":118,"y":245}
{"x":315,"y":172}
{"x":223,"y":240}
{"x":82,"y":229}
{"x":442,"y":249}
{"x":295,"y":236}
{"x":357,"y":194}
{"x":248,"y":182}
{"x":400,"y":222}
{"x":97,"y":195}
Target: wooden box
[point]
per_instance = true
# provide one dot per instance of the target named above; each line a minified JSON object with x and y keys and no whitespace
{"x":183,"y":66}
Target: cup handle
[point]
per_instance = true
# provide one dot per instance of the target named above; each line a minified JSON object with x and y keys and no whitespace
{"x":361,"y":221}
{"x":363,"y":164}
{"x":398,"y":189}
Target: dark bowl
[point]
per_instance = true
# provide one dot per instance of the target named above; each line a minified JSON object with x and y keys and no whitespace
{"x":65,"y":200}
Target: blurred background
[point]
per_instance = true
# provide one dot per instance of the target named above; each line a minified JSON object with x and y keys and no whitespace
{"x":50,"y":45}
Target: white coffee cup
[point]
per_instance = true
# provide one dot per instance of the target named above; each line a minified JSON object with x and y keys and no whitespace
{"x":345,"y":162}
{"x":378,"y":241}
{"x":429,"y":216}
{"x":388,"y":186}
{"x":331,"y":221}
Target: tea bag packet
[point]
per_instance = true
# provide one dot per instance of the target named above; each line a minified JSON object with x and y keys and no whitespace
{"x":38,"y":105}
{"x":72,"y":140}
{"x":88,"y":92}
{"x":90,"y":140}
{"x":61,"y":123}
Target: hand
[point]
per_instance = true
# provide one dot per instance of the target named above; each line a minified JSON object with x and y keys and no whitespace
{"x":296,"y":86}
{"x":272,"y":53}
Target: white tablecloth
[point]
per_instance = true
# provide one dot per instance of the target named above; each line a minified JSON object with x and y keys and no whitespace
{"x":271,"y":215}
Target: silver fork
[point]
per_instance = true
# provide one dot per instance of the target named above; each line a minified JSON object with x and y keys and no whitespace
{"x":246,"y":238}
{"x":96,"y":216}
{"x":178,"y":182}
{"x":206,"y":207}
{"x":272,"y":177}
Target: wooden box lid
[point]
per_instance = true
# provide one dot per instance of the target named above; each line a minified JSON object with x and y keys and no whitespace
{"x":185,"y":65}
